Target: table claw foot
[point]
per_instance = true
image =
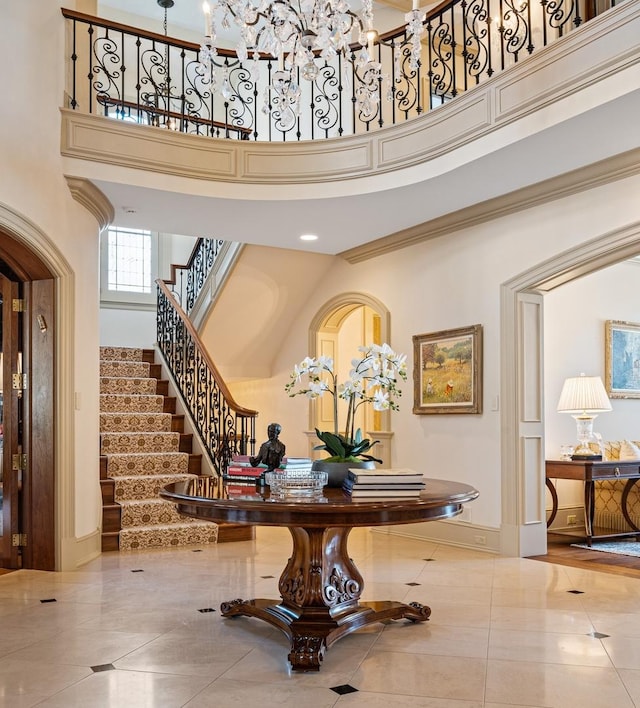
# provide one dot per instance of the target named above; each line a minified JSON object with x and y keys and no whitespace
{"x":306,"y":652}
{"x":232,"y":608}
{"x":417,"y":612}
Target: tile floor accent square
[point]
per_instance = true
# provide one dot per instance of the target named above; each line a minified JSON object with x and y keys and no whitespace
{"x":49,"y":599}
{"x":598,"y":635}
{"x":102,"y":667}
{"x":344,"y":689}
{"x":576,"y":592}
{"x":138,"y":570}
{"x":413,"y":585}
{"x":207,"y":609}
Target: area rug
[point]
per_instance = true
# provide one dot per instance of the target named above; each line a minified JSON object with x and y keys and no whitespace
{"x":623,"y":548}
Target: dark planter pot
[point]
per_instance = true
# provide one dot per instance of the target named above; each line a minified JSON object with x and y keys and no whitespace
{"x":337,"y":471}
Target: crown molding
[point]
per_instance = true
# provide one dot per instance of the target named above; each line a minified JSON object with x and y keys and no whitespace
{"x":92,"y":199}
{"x":600,"y":173}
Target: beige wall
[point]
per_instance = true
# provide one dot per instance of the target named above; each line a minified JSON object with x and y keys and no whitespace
{"x":34,"y":194}
{"x":449,"y":282}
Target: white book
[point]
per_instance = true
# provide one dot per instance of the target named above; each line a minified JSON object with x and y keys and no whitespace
{"x":390,"y":475}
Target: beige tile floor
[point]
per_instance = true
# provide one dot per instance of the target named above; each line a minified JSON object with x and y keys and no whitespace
{"x":125,"y":631}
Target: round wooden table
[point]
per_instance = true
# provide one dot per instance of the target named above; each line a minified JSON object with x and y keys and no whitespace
{"x":320,"y":586}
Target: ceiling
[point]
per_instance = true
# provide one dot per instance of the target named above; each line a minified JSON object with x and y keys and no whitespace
{"x":348,"y":214}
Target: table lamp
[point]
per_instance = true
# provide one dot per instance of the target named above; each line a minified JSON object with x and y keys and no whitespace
{"x":584,"y":397}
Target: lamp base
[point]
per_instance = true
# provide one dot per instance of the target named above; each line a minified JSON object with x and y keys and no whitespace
{"x":592,"y":457}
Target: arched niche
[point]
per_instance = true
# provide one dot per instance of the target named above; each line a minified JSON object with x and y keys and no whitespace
{"x":324,"y":335}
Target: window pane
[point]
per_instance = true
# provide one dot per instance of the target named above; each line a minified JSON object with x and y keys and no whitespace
{"x":129,"y":260}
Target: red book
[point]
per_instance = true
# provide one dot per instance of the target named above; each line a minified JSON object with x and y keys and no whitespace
{"x":240,"y":471}
{"x":241,"y":490}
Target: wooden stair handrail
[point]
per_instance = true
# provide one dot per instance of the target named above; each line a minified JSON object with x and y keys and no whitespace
{"x":240,"y":410}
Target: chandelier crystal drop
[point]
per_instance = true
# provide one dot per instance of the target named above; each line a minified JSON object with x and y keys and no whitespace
{"x":299,"y":34}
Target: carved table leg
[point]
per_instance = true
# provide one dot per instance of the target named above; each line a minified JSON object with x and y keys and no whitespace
{"x":320,"y":589}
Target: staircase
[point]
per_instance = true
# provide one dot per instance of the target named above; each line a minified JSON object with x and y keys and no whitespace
{"x":143,"y":447}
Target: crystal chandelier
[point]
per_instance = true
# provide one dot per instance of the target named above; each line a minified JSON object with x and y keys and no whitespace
{"x":297,"y":33}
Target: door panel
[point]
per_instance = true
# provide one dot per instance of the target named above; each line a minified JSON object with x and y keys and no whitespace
{"x":11,"y":424}
{"x":38,"y":437}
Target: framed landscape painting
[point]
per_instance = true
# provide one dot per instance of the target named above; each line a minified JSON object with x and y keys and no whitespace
{"x":622,"y":359}
{"x":447,"y":371}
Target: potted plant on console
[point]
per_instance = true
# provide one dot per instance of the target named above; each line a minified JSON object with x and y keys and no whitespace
{"x":372,"y":380}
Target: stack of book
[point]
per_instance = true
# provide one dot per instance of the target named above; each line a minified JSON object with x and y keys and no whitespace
{"x":297,"y":464}
{"x":392,"y":483}
{"x":241,"y":470}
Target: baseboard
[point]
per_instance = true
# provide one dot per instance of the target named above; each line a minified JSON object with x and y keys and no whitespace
{"x":563,"y":518}
{"x":451,"y":533}
{"x":75,"y":552}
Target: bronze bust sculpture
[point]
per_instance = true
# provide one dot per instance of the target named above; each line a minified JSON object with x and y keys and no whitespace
{"x":272,"y":451}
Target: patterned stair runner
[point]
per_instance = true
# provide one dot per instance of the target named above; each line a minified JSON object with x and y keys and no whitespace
{"x":143,"y":455}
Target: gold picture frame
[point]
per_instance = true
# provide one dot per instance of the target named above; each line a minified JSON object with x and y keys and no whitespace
{"x":447,"y":371}
{"x":622,"y":359}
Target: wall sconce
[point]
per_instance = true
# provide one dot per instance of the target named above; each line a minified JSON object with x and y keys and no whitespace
{"x":584,"y":397}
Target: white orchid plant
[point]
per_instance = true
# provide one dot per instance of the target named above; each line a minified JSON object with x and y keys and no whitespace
{"x":372,"y":379}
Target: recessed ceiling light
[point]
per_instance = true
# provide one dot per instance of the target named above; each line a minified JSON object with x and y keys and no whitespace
{"x":308,"y":237}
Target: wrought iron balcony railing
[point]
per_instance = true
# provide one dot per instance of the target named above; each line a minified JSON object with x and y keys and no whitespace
{"x":119,"y":71}
{"x":225,"y":428}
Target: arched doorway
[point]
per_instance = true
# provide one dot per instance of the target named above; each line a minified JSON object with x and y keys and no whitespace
{"x":27,"y":520}
{"x":523,"y":529}
{"x":342,"y":324}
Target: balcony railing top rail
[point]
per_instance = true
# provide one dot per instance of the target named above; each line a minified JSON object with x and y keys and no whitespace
{"x":134,"y":75}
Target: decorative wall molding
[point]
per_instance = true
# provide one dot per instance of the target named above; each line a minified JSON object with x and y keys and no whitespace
{"x":594,"y":175}
{"x":522,"y":532}
{"x":28,"y":233}
{"x":92,"y":199}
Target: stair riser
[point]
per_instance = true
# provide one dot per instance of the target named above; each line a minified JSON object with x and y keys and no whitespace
{"x":111,"y":518}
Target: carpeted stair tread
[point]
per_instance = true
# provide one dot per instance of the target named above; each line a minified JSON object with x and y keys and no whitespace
{"x":143,"y":463}
{"x":121,"y":354}
{"x":127,"y":384}
{"x":139,"y":442}
{"x":151,"y":512}
{"x":140,"y":487}
{"x":123,"y":369}
{"x":188,"y":534}
{"x":135,"y":403}
{"x":131,"y":422}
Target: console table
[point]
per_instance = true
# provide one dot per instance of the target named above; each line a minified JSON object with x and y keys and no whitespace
{"x":320,"y":586}
{"x":590,"y":472}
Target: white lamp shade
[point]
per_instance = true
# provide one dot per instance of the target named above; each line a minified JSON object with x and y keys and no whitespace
{"x":583,"y":394}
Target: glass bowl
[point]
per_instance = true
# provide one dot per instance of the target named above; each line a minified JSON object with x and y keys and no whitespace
{"x":290,"y":483}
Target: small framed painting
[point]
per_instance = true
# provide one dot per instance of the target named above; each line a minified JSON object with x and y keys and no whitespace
{"x":447,"y":371}
{"x":622,"y":359}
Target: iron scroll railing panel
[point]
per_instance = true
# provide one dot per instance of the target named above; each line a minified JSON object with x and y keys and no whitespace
{"x":225,"y":428}
{"x":187,"y":281}
{"x":129,"y":74}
